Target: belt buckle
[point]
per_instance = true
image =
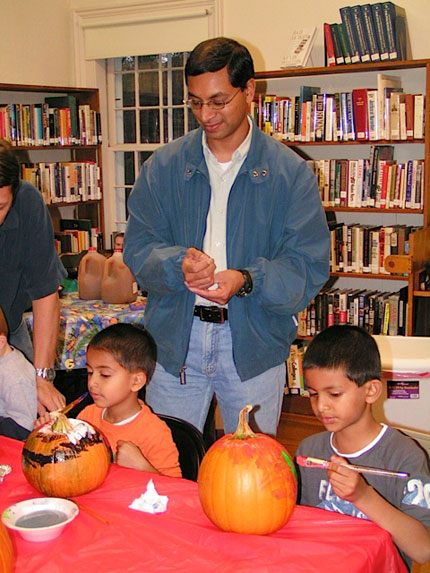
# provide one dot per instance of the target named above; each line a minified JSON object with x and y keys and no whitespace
{"x":212,"y":314}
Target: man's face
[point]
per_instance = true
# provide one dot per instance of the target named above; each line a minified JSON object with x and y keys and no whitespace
{"x":229,"y":125}
{"x":6,"y":199}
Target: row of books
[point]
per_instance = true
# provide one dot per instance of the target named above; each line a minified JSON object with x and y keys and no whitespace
{"x":57,"y":121}
{"x":360,"y":249}
{"x":75,"y":236}
{"x":367,"y":33}
{"x":364,"y":114}
{"x":295,"y":382}
{"x":378,"y":312}
{"x":380,"y":184}
{"x":65,"y":182}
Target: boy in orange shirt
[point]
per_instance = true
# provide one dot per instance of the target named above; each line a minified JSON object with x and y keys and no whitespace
{"x":120,"y":361}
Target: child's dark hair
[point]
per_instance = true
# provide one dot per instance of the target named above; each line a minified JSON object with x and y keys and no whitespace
{"x":9,"y":167}
{"x":131,"y":346}
{"x":348,"y":347}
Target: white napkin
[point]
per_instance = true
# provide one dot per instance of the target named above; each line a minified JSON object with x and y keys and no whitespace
{"x":150,"y":501}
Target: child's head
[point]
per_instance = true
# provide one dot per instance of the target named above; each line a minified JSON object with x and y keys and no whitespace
{"x":342,"y":368}
{"x":120,"y":361}
{"x":132,"y":347}
{"x":118,"y":242}
{"x":345,"y":347}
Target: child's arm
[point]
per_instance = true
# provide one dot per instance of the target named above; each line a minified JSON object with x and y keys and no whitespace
{"x":41,"y":420}
{"x":129,"y":455}
{"x":410,"y":535}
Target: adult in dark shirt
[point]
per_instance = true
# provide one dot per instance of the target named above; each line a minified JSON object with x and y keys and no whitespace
{"x":30,"y":274}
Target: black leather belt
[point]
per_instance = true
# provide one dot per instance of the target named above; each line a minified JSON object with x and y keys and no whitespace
{"x":211,"y":313}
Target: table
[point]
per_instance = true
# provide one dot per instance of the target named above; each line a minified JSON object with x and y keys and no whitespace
{"x":81,"y":319}
{"x":183,"y":540}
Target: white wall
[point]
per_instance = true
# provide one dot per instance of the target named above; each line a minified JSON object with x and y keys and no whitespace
{"x":36,"y":42}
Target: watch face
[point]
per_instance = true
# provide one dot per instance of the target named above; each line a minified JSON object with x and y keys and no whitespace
{"x":47,"y":373}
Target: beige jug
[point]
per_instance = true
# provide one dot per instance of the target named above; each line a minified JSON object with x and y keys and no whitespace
{"x":90,"y":275}
{"x":118,"y":285}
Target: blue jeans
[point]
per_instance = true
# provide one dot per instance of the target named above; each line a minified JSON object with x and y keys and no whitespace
{"x":210,"y":369}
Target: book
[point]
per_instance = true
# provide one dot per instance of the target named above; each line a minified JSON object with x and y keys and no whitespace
{"x":337,"y":45}
{"x":397,"y":31}
{"x":347,"y":21}
{"x":67,"y":102}
{"x":362,"y":40}
{"x":381,"y":34}
{"x":370,"y":31}
{"x":346,"y":48}
{"x":330,"y":58}
{"x":305,"y":96}
{"x":361,"y":121}
{"x":298,"y":47}
{"x":384,"y":83}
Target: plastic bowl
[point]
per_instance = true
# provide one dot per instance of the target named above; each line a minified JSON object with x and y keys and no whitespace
{"x":40,"y":519}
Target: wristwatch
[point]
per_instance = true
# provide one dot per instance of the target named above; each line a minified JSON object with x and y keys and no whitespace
{"x":46,"y":373}
{"x":247,"y":285}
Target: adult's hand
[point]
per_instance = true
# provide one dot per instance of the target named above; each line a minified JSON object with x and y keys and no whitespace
{"x":48,"y":397}
{"x":198,"y":269}
{"x":228,"y":283}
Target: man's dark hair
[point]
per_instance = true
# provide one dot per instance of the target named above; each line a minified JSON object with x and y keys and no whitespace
{"x":214,"y":54}
{"x":9,"y":167}
{"x":132,"y":347}
{"x":348,"y":347}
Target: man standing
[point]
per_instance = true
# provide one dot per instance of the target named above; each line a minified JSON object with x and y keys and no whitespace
{"x":30,"y":274}
{"x":228,"y":236}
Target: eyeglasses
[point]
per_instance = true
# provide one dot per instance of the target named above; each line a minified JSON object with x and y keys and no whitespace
{"x":215,"y":104}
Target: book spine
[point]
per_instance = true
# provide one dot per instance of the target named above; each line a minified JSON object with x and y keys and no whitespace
{"x":346,"y":17}
{"x":369,"y":29}
{"x":379,"y":20}
{"x":346,"y":49}
{"x":358,"y":24}
{"x":389,"y":17}
{"x":338,"y":52}
{"x":359,"y":99}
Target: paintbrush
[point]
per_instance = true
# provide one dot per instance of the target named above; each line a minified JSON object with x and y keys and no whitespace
{"x":309,"y":462}
{"x":73,"y":404}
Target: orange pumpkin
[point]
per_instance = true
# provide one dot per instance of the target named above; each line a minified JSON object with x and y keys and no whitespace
{"x":65,"y":458}
{"x":247,"y":482}
{"x":7,"y":555}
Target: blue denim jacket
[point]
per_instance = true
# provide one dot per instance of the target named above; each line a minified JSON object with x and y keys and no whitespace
{"x":276,"y":229}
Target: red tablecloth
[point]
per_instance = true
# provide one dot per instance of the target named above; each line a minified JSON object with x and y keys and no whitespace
{"x":183,"y":540}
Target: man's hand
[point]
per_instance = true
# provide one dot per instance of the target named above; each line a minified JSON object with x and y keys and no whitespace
{"x":229,"y":282}
{"x":198,"y":269}
{"x":48,"y":397}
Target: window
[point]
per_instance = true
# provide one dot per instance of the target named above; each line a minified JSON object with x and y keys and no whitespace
{"x":147,"y":98}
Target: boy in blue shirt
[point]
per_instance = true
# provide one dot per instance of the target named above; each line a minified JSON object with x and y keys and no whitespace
{"x":342,"y":369}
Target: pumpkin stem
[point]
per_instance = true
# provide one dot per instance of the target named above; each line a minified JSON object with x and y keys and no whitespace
{"x":61,"y":424}
{"x":243,"y":430}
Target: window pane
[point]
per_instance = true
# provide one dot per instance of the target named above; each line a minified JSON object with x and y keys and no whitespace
{"x":129,"y":175}
{"x":147,"y":62}
{"x":148,"y":89}
{"x":143,"y":156}
{"x":129,"y":127}
{"x":124,"y":64}
{"x":173,"y":124}
{"x":174,"y":60}
{"x":173,"y":91}
{"x":149,"y":126}
{"x":128,"y":98}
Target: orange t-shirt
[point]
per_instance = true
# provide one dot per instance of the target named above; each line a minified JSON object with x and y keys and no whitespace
{"x":146,"y":430}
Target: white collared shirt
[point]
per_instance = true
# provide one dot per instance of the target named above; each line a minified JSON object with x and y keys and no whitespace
{"x":222,"y":176}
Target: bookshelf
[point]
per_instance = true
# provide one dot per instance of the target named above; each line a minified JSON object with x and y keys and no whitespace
{"x":63,"y":145}
{"x":398,"y":270}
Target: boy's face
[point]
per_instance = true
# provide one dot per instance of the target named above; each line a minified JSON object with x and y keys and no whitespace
{"x":337,"y":401}
{"x":109,"y":383}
